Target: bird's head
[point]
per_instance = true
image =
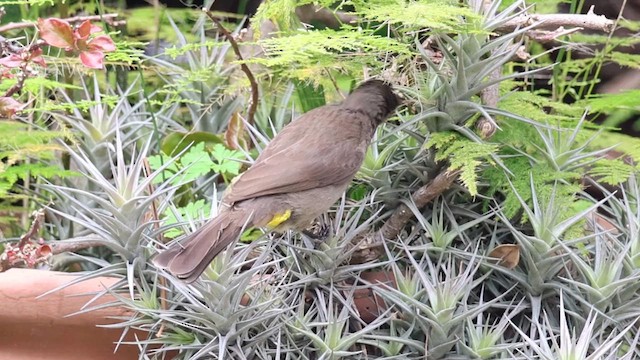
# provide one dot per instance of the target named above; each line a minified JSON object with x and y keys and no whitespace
{"x":375,"y":98}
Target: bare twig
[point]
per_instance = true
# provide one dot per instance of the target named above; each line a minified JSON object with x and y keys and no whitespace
{"x":421,"y":197}
{"x":489,"y":97}
{"x":545,"y":36}
{"x":552,"y":21}
{"x":75,"y":244}
{"x":28,"y":55}
{"x":30,"y":254}
{"x":19,"y":84}
{"x":243,"y":66}
{"x":371,"y":247}
{"x":31,"y":250}
{"x":109,"y":18}
{"x":38,"y":217}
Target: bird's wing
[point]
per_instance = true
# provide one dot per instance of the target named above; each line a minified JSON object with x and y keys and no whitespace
{"x":313,"y":151}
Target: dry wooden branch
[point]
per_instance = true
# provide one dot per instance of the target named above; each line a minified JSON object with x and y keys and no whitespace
{"x":371,"y":247}
{"x":75,"y":244}
{"x":421,"y":197}
{"x":38,"y":217}
{"x":553,"y":21}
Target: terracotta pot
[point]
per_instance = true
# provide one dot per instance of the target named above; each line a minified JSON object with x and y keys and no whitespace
{"x":32,"y":328}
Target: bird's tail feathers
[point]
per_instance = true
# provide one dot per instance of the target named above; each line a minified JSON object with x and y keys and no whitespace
{"x":189,"y":258}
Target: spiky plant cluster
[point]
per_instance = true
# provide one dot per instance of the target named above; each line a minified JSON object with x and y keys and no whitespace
{"x":444,"y":288}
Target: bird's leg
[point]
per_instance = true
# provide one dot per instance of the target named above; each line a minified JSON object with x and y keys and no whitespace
{"x":319,"y":231}
{"x":310,"y":234}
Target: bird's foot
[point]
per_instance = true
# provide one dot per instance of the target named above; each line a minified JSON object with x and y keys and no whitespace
{"x":320,"y":232}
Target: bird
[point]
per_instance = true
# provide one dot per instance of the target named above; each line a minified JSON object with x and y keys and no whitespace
{"x":298,"y":176}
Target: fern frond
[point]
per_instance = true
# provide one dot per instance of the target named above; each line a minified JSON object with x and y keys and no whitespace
{"x":629,"y":145}
{"x":611,"y":171}
{"x":541,"y":109}
{"x":307,"y":55}
{"x":542,"y":175}
{"x":625,"y":59}
{"x":463,"y":154}
{"x":608,"y":103}
{"x":439,"y":16}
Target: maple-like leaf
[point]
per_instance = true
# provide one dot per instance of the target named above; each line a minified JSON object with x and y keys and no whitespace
{"x":92,"y":59}
{"x":87,"y":28}
{"x":101,"y":43}
{"x":11,"y":61}
{"x":57,"y":33}
{"x":16,"y":60}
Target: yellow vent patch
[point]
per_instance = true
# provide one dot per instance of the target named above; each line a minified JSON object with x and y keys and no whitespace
{"x":279,"y":219}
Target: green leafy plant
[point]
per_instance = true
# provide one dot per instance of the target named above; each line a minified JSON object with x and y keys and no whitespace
{"x":197,"y":161}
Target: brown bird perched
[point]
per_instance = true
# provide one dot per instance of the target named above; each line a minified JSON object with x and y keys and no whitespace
{"x":297,"y":177}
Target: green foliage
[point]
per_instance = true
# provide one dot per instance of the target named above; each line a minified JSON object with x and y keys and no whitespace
{"x":558,"y":150}
{"x":175,"y":51}
{"x":528,"y":177}
{"x":127,"y":52}
{"x":196,"y":162}
{"x":438,"y":15}
{"x":612,"y":171}
{"x":596,"y":39}
{"x":82,"y":105}
{"x":25,"y":151}
{"x":619,"y":107}
{"x":607,"y":103}
{"x":462,"y":154}
{"x":177,"y":142}
{"x":628,"y":145}
{"x":624,"y":59}
{"x":281,"y":12}
{"x":193,"y":210}
{"x":29,"y":2}
{"x":36,"y":84}
{"x":540,"y":108}
{"x":310,"y":55}
{"x":313,"y":54}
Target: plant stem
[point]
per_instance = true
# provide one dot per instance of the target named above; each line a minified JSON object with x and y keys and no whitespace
{"x":243,"y":66}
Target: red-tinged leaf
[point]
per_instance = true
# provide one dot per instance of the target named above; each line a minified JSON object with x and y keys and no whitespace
{"x":92,"y":59}
{"x":11,"y":61}
{"x":94,"y":29}
{"x":101,"y":43}
{"x":56,"y":33}
{"x":5,"y":73}
{"x":84,"y":30}
{"x":9,"y":106}
{"x":39,"y":60}
{"x":81,"y":45}
{"x":36,"y":57}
